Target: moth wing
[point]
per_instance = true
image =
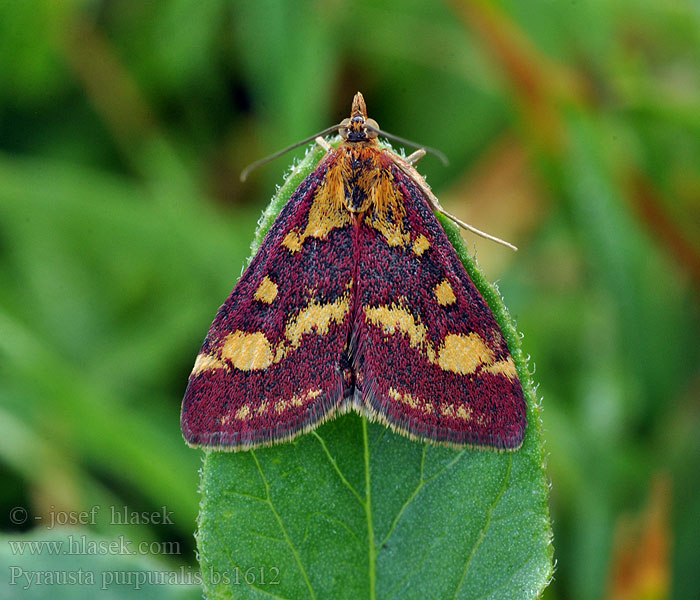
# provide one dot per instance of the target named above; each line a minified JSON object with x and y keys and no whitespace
{"x":429,"y":357}
{"x":273,"y":364}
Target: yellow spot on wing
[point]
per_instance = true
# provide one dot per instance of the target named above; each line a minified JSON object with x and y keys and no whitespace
{"x":292,"y":241}
{"x":464,"y":413}
{"x":253,"y":351}
{"x":411,"y":400}
{"x":503,"y":367}
{"x":243,"y":412}
{"x":463,"y":354}
{"x":395,"y":319}
{"x":316,"y":317}
{"x":296,"y":401}
{"x":444,"y":293}
{"x":267,"y":291}
{"x":303,"y":398}
{"x":459,"y":353}
{"x":327,"y":210}
{"x":461,"y":412}
{"x":247,"y":351}
{"x":420,"y":245}
{"x":207,"y":362}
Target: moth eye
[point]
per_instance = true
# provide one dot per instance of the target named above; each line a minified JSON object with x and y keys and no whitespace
{"x":343,"y":129}
{"x":371,"y":128}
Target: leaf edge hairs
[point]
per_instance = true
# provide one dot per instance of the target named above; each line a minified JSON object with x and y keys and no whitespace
{"x":356,"y":300}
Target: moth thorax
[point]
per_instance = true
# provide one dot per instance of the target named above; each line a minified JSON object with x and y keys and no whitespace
{"x":361,"y":170}
{"x":356,"y":199}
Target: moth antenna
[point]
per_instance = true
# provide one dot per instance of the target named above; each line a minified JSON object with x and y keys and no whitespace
{"x":476,"y":231}
{"x":401,"y":140}
{"x":245,"y":172}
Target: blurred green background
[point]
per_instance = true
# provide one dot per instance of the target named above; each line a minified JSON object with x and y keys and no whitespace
{"x":573,"y":130}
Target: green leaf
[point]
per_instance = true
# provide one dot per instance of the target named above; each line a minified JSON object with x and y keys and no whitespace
{"x":352,"y":510}
{"x":75,"y":564}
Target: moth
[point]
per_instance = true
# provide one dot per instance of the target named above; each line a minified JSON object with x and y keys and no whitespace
{"x":356,"y":300}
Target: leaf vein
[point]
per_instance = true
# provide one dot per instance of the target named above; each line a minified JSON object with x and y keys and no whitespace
{"x":487,"y":524}
{"x":415,"y":570}
{"x":372,"y":560}
{"x":410,"y":499}
{"x":448,"y":466}
{"x":379,"y":438}
{"x":266,"y":537}
{"x":277,"y":516}
{"x":337,"y":469}
{"x":244,"y":495}
{"x":420,"y":485}
{"x":341,"y":523}
{"x":255,"y":587}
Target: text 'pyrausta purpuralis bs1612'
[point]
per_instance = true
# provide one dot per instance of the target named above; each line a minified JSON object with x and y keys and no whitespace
{"x":356,"y":300}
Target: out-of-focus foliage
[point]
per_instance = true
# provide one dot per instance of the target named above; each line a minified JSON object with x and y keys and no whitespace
{"x":573,"y":130}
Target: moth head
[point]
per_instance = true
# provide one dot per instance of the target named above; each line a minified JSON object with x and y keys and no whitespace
{"x":358,"y":128}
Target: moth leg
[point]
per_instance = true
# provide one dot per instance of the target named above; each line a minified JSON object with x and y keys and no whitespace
{"x":323,"y":143}
{"x":412,"y":159}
